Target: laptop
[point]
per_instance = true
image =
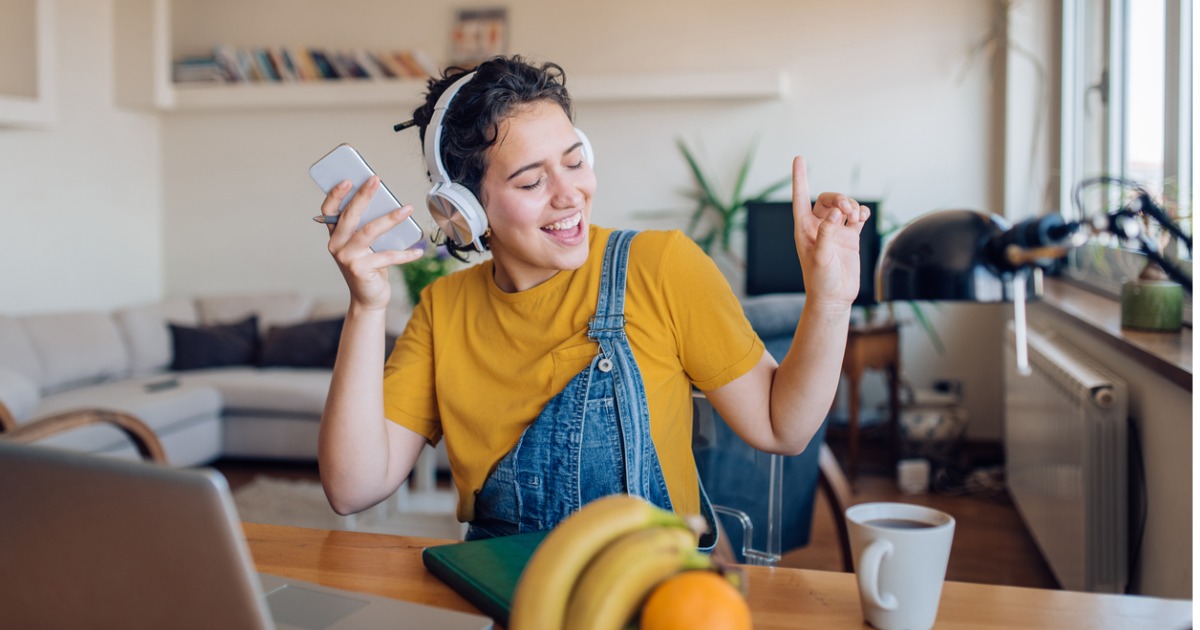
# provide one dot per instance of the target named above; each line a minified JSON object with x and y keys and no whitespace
{"x":96,"y":542}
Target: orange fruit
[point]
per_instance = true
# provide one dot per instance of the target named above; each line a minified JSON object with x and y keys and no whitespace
{"x":695,"y":599}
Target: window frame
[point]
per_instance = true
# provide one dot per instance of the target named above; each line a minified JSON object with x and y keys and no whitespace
{"x":1089,"y":73}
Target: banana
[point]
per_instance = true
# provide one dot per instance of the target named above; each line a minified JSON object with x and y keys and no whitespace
{"x":615,"y":584}
{"x":542,"y":593}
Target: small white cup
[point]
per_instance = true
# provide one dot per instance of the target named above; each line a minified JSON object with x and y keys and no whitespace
{"x":912,"y":475}
{"x":900,"y":554}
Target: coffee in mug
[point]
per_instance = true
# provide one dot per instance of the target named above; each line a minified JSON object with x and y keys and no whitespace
{"x":900,"y":554}
{"x":899,"y":523}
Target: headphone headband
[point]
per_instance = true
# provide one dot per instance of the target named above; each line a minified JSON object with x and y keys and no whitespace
{"x":433,"y":142}
{"x":454,"y":208}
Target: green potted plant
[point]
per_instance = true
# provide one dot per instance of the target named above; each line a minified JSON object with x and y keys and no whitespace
{"x":436,"y":263}
{"x":714,"y":220}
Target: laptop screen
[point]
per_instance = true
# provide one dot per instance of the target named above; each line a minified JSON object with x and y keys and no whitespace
{"x":97,"y":542}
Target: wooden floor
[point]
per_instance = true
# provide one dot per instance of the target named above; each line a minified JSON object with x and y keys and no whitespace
{"x":991,"y":545}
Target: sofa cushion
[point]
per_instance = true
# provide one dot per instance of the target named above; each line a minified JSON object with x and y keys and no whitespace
{"x":399,"y":311}
{"x":331,"y":307}
{"x":214,"y":346}
{"x":280,"y":309}
{"x":16,"y":349}
{"x":166,"y":409}
{"x":76,"y":349}
{"x":19,"y":393}
{"x":146,"y":333}
{"x":308,"y":344}
{"x":774,"y":315}
{"x":279,"y":391}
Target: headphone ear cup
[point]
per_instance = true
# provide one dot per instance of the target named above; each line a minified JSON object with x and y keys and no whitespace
{"x":588,"y":155}
{"x":457,"y":212}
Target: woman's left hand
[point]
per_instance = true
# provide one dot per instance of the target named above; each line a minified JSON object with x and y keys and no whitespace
{"x":827,"y":236}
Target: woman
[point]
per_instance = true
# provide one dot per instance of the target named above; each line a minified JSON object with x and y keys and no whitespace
{"x":561,"y":369}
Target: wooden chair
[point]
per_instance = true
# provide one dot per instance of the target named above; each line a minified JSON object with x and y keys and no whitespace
{"x":142,"y":436}
{"x":837,"y":491}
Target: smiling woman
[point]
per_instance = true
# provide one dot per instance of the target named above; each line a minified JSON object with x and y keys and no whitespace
{"x":561,"y":369}
{"x":539,"y":197}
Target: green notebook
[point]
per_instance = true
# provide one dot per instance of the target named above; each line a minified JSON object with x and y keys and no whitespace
{"x":484,"y":572}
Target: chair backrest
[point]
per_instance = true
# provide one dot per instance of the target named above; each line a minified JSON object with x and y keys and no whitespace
{"x":773,"y":493}
{"x":142,"y":436}
{"x":763,"y":501}
{"x":7,"y":421}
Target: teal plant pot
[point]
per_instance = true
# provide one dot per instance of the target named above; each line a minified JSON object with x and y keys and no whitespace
{"x":1152,"y":305}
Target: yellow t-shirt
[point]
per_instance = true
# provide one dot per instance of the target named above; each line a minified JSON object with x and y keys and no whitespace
{"x":477,"y":365}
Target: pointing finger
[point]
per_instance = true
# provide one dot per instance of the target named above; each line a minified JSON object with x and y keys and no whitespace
{"x":800,"y":200}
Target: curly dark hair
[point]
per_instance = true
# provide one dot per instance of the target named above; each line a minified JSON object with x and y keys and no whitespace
{"x":472,"y":122}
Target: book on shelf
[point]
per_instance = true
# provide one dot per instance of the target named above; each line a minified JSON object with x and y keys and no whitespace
{"x":199,"y":70}
{"x":239,"y":64}
{"x":266,"y":65}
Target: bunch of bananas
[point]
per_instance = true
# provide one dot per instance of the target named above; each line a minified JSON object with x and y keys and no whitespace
{"x":597,"y":567}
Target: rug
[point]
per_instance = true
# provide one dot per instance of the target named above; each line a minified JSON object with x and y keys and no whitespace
{"x":302,"y":503}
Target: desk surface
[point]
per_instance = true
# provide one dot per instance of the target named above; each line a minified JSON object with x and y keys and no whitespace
{"x":779,"y":598}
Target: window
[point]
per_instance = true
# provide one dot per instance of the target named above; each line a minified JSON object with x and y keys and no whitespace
{"x":1127,"y":114}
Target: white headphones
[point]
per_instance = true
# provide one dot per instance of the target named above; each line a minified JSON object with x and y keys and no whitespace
{"x":454,"y":208}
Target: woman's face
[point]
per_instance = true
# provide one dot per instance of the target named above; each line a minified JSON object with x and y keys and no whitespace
{"x":537,"y":191}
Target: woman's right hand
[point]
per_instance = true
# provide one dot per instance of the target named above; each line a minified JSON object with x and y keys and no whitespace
{"x":365,"y":271}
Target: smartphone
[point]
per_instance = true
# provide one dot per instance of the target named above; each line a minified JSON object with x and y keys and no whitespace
{"x":343,"y":163}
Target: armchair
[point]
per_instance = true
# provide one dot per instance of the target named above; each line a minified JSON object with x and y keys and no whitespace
{"x":142,"y":436}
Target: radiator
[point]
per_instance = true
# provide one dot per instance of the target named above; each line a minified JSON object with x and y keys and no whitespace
{"x":1066,"y":461}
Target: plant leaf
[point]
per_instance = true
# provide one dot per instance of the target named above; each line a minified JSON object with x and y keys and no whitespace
{"x":930,"y":330}
{"x":736,"y":200}
{"x":697,"y":215}
{"x":697,"y":172}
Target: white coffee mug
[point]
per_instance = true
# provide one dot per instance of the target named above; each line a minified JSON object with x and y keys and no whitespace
{"x":900,"y":554}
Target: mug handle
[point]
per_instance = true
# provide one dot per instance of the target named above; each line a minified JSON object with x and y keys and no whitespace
{"x":868,"y":574}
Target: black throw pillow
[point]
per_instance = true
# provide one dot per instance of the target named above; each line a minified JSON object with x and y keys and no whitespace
{"x":310,"y":344}
{"x":215,"y":346}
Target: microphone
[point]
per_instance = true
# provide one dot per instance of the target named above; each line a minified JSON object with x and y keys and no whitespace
{"x":1044,"y":231}
{"x":1033,"y":241}
{"x":1144,"y":204}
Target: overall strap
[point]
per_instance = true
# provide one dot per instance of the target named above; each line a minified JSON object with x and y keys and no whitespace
{"x":609,"y":320}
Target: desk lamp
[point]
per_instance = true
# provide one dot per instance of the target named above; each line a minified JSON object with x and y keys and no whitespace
{"x":965,"y":255}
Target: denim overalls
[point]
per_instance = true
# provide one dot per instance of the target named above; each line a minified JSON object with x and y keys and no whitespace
{"x":590,"y":440}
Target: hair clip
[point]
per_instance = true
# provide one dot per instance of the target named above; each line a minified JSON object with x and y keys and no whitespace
{"x":404,"y":125}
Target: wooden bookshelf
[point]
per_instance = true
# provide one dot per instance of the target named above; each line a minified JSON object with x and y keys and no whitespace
{"x":144,"y":79}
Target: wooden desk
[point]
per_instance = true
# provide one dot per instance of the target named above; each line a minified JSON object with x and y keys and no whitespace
{"x":875,"y":347}
{"x":779,"y":598}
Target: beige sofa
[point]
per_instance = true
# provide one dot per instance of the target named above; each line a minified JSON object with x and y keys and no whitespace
{"x":122,"y":360}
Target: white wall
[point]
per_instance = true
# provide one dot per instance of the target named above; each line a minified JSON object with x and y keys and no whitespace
{"x":884,"y":103}
{"x":82,"y":207}
{"x":130,"y":206}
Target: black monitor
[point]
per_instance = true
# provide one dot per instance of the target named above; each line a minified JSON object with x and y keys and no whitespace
{"x":771,"y":262}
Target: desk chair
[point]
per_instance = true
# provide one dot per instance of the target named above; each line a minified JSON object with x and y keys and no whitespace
{"x":764,"y":502}
{"x":729,"y":467}
{"x":138,"y":432}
